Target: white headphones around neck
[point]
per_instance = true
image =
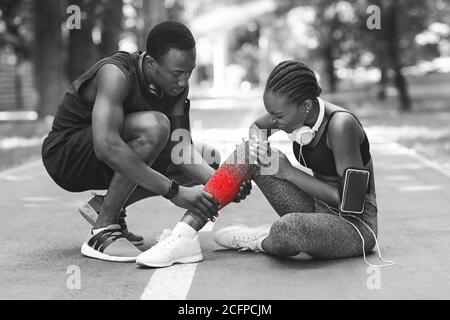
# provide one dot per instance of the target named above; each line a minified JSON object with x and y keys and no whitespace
{"x":304,"y":135}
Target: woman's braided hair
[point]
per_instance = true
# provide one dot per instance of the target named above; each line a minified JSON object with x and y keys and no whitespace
{"x":294,"y":80}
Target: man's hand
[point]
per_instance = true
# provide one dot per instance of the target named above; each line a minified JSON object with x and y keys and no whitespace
{"x":198,"y":202}
{"x":244,"y":191}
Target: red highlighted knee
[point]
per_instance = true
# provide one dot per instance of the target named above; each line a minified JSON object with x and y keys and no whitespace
{"x":227,"y":180}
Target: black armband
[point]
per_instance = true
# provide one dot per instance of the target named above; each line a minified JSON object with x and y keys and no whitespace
{"x":353,"y":189}
{"x":182,"y":121}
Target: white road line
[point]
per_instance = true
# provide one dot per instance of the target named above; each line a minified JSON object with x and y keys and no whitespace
{"x":172,"y":283}
{"x":427,"y":162}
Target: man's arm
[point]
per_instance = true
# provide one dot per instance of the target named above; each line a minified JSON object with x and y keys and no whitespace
{"x":107,"y":127}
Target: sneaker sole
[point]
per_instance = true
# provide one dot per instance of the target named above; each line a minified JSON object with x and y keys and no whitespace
{"x":191,"y":259}
{"x":90,"y":215}
{"x":87,"y":251}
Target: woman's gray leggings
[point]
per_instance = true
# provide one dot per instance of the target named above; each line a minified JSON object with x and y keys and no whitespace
{"x":307,"y":225}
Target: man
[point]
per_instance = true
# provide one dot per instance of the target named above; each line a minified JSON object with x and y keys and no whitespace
{"x":112,"y":131}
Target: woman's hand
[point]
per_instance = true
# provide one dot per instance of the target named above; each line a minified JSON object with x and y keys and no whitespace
{"x":268,"y":157}
{"x":244,"y":191}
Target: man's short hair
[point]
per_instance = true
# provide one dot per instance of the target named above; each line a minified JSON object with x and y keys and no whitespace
{"x":169,"y":35}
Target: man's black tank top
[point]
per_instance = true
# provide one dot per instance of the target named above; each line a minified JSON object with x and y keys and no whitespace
{"x":75,"y":113}
{"x":320,"y":159}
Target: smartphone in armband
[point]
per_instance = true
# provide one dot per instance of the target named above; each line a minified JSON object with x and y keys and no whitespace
{"x":354,"y":190}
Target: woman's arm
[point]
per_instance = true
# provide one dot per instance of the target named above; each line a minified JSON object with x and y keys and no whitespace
{"x":262,"y":128}
{"x":344,"y":136}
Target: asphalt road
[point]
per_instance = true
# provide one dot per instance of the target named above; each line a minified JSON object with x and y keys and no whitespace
{"x":41,"y":234}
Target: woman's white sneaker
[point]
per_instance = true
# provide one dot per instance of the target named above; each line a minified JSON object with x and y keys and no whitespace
{"x":242,"y":238}
{"x":171,"y":248}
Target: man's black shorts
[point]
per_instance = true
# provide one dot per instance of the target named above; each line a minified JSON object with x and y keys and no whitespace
{"x":71,"y":162}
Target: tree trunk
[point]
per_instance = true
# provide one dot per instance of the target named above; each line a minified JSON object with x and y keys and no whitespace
{"x":47,"y":54}
{"x":153,"y":12}
{"x":402,"y":87}
{"x":18,"y":86}
{"x":111,"y":27}
{"x":82,"y":51}
{"x":329,"y":68}
{"x":395,"y":56}
{"x":381,"y":95}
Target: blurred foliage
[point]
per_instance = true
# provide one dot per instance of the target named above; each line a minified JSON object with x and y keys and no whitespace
{"x":329,"y":35}
{"x":15,"y":28}
{"x":36,"y":30}
{"x":245,"y":51}
{"x":343,"y":40}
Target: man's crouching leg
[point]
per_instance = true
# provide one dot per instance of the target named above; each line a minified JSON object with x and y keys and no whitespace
{"x":146,"y":133}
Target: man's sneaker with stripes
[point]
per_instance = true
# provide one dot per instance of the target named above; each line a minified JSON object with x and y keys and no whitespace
{"x":110,"y":244}
{"x":91,"y":209}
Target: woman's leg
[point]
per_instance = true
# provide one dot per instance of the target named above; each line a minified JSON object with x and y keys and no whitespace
{"x":321,"y":235}
{"x":284,"y":196}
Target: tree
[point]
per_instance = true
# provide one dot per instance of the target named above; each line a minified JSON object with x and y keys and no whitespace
{"x":393,"y":46}
{"x":110,"y":16}
{"x":102,"y":19}
{"x":335,"y":29}
{"x":82,"y":52}
{"x":151,"y":13}
{"x":331,"y":27}
{"x":47,"y":54}
{"x":14,"y":40}
{"x":14,"y":33}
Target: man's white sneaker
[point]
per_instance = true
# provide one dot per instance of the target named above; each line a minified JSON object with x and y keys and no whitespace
{"x":171,"y":248}
{"x":242,"y":238}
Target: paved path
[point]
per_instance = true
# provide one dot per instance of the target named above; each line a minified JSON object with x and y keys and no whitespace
{"x":41,"y":234}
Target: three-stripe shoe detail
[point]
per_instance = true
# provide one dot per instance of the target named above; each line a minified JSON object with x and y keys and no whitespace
{"x":104,"y":238}
{"x":110,"y":244}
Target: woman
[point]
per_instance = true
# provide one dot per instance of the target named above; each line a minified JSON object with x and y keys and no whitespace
{"x":331,"y":139}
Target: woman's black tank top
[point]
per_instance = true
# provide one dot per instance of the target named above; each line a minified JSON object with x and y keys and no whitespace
{"x":320,"y":159}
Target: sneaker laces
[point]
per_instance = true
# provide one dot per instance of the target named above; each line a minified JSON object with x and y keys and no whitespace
{"x":245,"y":242}
{"x":165,"y":239}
